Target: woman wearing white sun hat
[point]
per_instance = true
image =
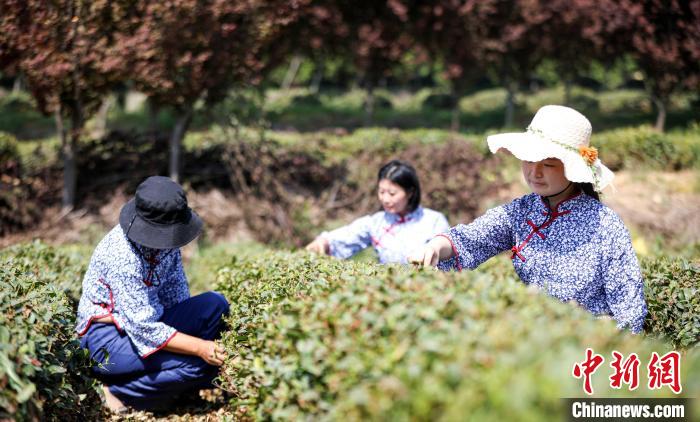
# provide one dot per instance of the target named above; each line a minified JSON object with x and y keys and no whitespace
{"x":563,"y":239}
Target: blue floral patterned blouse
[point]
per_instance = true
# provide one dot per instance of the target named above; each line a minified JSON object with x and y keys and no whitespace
{"x":132,"y":285}
{"x":581,"y":251}
{"x":393,"y":237}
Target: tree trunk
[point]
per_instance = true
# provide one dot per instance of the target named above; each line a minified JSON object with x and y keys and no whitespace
{"x":454,"y":124}
{"x":153,"y":110}
{"x":101,"y":117}
{"x":369,"y":105}
{"x":120,"y":94}
{"x":317,"y":78}
{"x":61,"y":130}
{"x":68,"y":144}
{"x":567,"y":91}
{"x":17,"y":84}
{"x":510,"y":105}
{"x":661,"y":113}
{"x":454,"y":121}
{"x":291,"y":72}
{"x":176,"y":136}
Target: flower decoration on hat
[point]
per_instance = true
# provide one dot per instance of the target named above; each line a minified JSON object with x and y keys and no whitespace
{"x":590,"y":154}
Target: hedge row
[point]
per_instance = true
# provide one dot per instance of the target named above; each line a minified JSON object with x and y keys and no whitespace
{"x":44,"y":374}
{"x":313,"y":337}
{"x":24,"y":193}
{"x":624,"y":148}
{"x":643,"y":146}
{"x":63,"y":268}
{"x":672,"y":289}
{"x":316,"y":337}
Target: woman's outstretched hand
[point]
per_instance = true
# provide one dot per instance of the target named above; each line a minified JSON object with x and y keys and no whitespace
{"x":434,"y":251}
{"x":427,"y":257}
{"x":320,"y":245}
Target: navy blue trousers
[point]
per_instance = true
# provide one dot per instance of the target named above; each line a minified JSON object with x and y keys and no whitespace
{"x":156,"y":381}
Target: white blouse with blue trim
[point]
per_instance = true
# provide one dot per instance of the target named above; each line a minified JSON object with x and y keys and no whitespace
{"x":582,"y":251}
{"x":394,"y":237}
{"x":132,"y":285}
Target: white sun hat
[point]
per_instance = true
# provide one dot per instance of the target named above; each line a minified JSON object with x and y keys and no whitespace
{"x":558,"y":132}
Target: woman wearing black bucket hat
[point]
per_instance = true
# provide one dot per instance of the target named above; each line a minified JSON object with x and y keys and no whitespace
{"x":153,"y":342}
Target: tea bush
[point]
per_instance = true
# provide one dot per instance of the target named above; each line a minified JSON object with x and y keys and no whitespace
{"x":440,"y":101}
{"x":44,"y":374}
{"x":672,"y":289}
{"x":645,"y":147}
{"x":24,"y":193}
{"x":8,"y":147}
{"x":290,"y":190}
{"x":13,"y":192}
{"x":625,"y":101}
{"x":62,"y":268}
{"x":313,"y":337}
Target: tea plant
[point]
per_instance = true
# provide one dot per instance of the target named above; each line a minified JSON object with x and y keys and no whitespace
{"x":313,"y":337}
{"x":44,"y":373}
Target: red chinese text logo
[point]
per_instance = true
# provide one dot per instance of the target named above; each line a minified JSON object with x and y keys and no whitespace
{"x":665,"y":370}
{"x":662,"y":371}
{"x":586,"y":369}
{"x":625,"y":372}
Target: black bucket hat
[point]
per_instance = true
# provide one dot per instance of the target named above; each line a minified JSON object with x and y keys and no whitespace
{"x":158,"y":216}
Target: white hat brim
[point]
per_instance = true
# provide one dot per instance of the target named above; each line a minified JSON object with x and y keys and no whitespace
{"x":530,"y":147}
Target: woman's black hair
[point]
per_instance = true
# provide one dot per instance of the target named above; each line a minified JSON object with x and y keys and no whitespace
{"x":404,"y":175}
{"x":588,"y":189}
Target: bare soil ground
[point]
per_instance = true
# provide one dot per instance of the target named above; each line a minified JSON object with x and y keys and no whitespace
{"x":660,"y":203}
